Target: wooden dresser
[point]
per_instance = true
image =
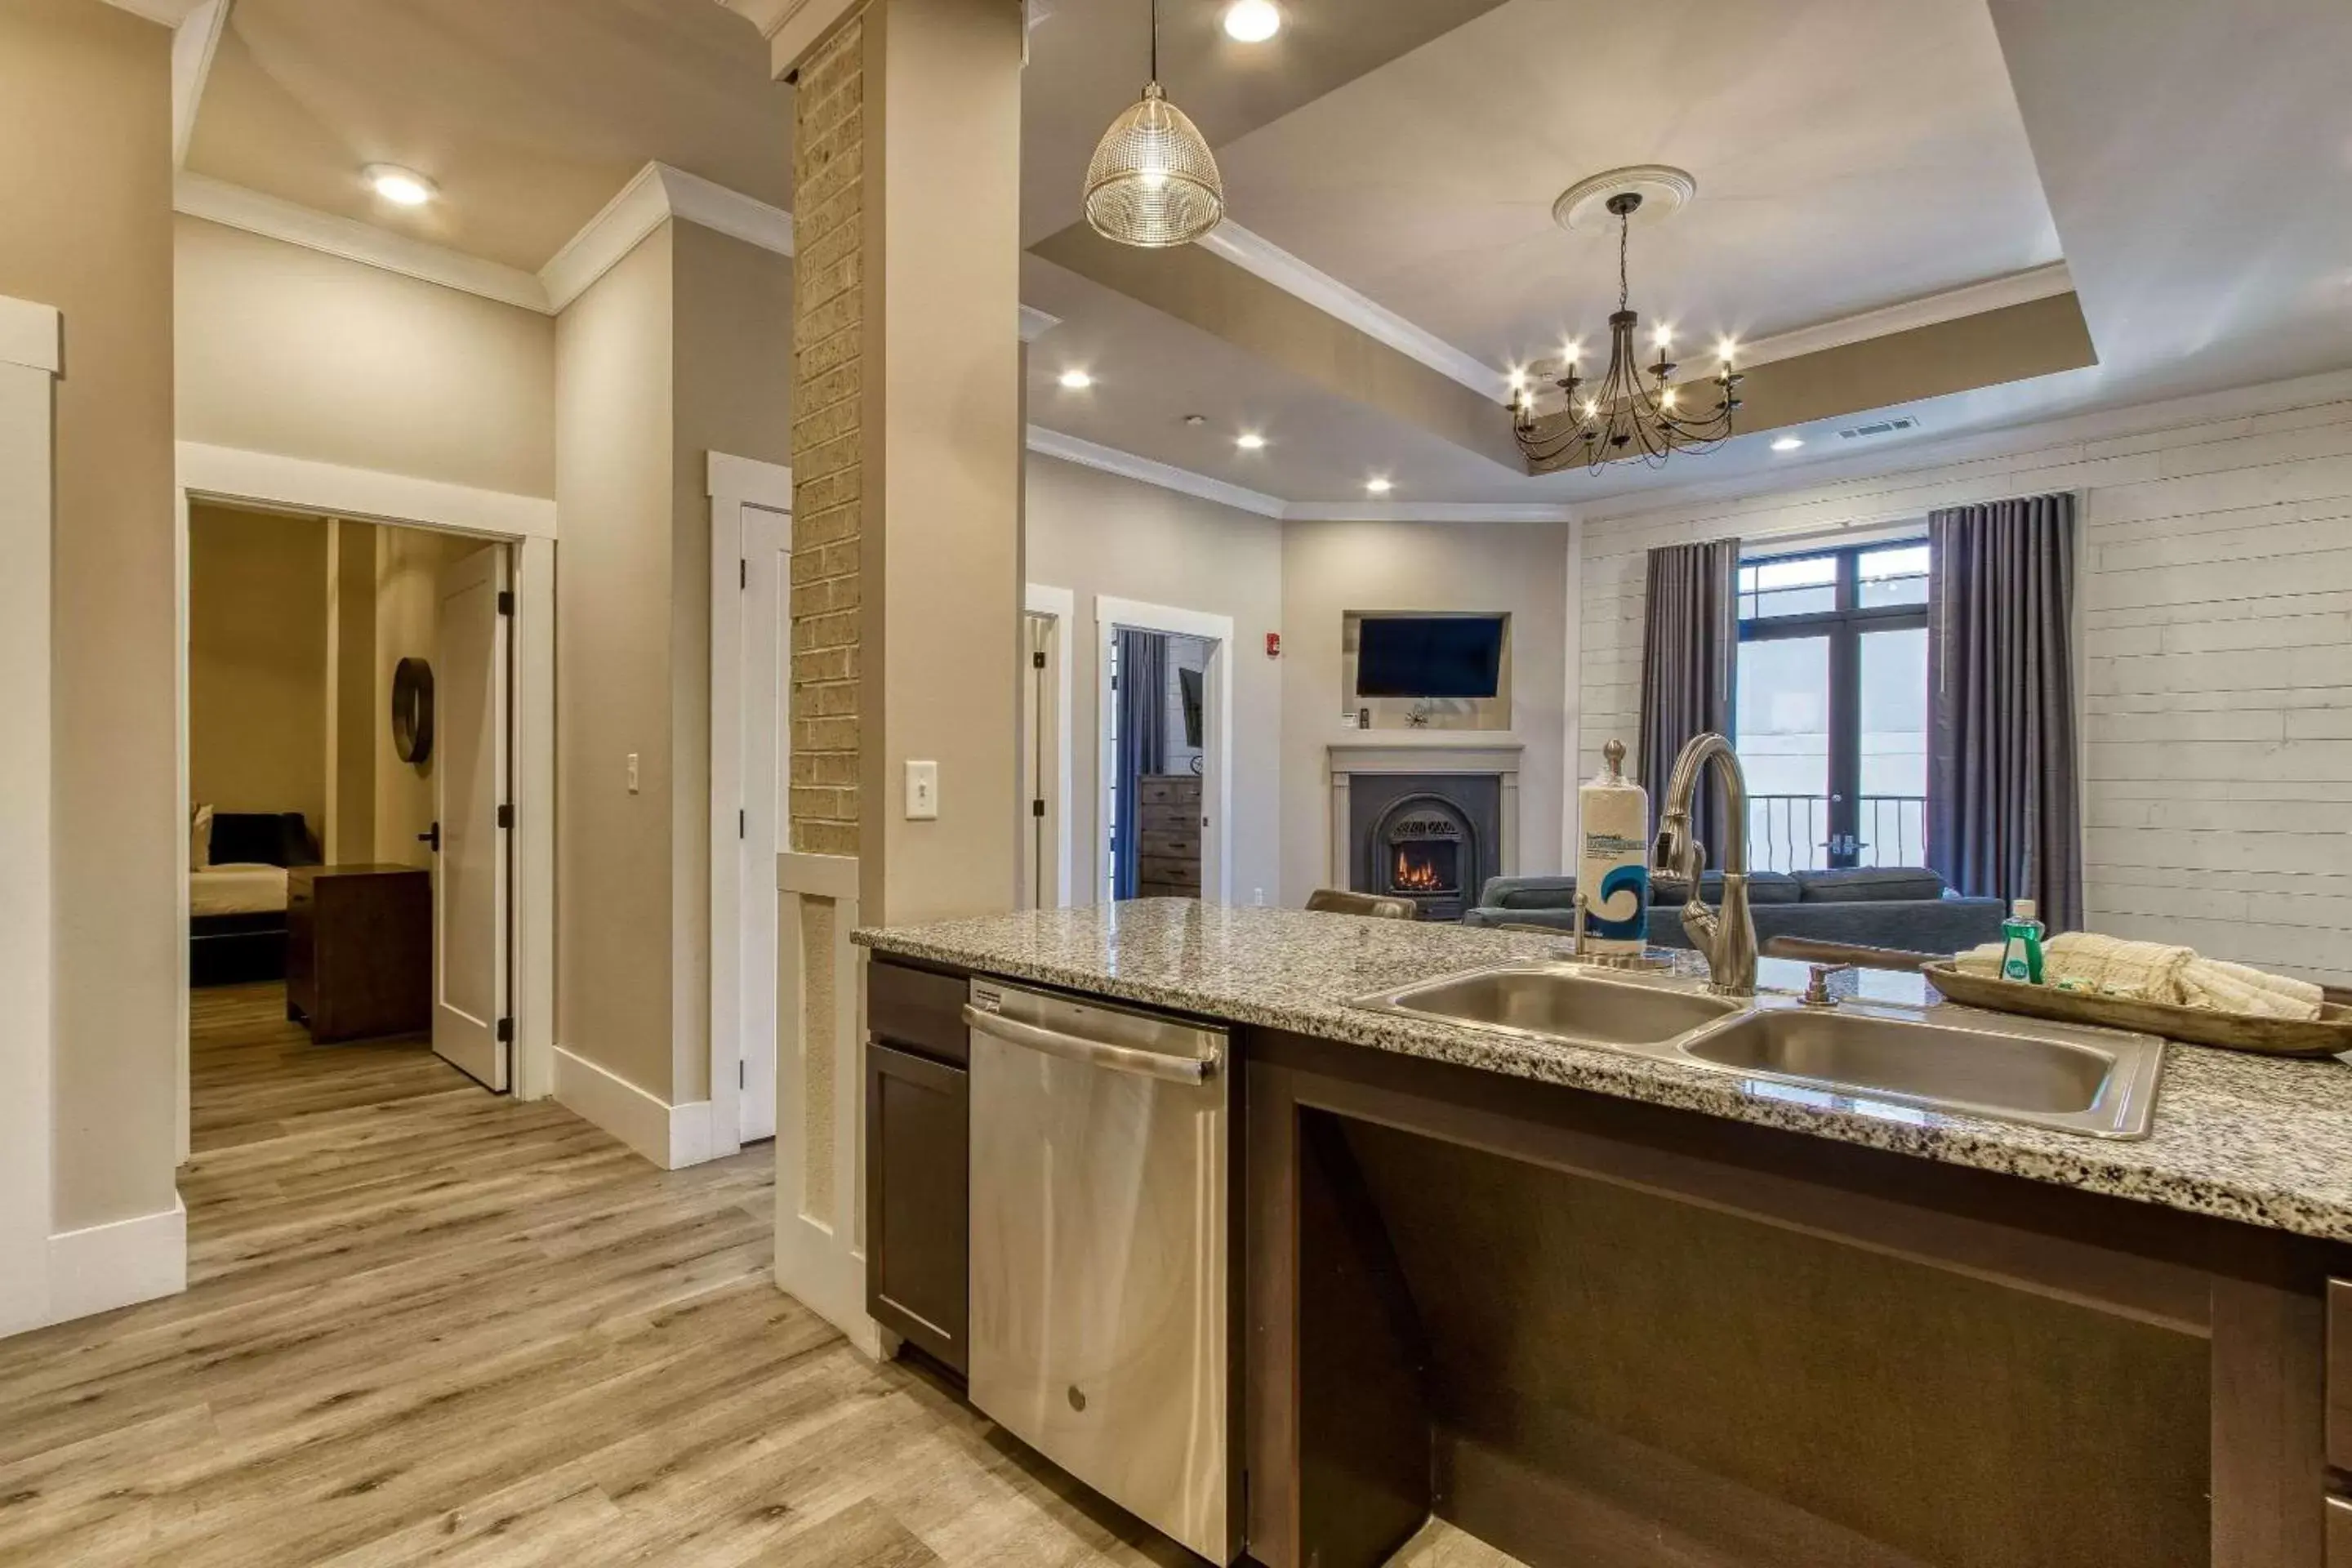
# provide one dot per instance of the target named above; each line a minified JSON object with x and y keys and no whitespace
{"x":1168,"y":861}
{"x":359,"y":951}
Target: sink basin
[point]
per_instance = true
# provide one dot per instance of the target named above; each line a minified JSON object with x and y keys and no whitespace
{"x":2102,"y":1085}
{"x":1551,"y":1002}
{"x":2098,"y":1082}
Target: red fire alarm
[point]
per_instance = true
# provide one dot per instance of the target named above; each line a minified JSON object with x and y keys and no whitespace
{"x":1274,"y":645}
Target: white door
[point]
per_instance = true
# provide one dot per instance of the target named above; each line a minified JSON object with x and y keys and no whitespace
{"x":767,"y":778}
{"x":470,"y":1028}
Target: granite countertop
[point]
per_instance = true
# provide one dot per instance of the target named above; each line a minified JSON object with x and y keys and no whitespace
{"x":2259,"y":1140}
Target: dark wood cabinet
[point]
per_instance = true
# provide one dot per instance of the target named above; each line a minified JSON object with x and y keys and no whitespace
{"x":918,"y":1148}
{"x":1167,"y":858}
{"x":359,"y":951}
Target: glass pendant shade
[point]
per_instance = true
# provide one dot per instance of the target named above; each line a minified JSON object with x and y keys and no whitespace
{"x":1153,"y":181}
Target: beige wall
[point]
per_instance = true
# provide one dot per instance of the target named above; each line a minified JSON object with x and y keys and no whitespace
{"x":85,"y":180}
{"x":680,"y":349}
{"x":1097,"y":533}
{"x":730,"y":392}
{"x":258,"y":600}
{"x":1331,"y":568}
{"x":286,"y":350}
{"x":614,"y":494}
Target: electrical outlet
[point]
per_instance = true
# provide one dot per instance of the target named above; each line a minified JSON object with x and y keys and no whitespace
{"x":922,"y":792}
{"x":633,"y":773}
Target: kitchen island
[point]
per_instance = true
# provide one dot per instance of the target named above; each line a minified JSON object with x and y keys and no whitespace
{"x":1601,"y":1306}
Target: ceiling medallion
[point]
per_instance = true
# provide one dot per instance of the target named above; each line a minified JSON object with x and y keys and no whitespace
{"x":1562,"y":418}
{"x":1153,"y":181}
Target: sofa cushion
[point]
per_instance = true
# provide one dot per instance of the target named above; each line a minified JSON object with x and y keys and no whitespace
{"x":1529,"y":893}
{"x":1763,"y":888}
{"x":1869,"y":884}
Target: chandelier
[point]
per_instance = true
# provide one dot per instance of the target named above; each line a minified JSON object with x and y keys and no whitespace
{"x":1562,"y":418}
{"x":1153,"y":181}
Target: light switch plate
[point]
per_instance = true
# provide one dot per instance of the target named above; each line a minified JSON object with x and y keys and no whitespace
{"x":922,"y":792}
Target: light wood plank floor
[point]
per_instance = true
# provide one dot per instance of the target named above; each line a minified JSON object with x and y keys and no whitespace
{"x":426,"y":1323}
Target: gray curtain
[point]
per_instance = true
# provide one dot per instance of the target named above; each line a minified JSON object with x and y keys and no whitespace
{"x":1690,"y":654}
{"x":1143,"y":700}
{"x":2004,"y":814}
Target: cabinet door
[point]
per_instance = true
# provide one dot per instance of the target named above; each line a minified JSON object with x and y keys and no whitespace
{"x":918,"y":1220}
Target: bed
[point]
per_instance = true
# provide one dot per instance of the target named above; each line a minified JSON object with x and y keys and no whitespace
{"x":237,"y":901}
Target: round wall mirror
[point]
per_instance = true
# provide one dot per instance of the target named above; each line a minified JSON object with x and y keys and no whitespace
{"x":412,"y":709}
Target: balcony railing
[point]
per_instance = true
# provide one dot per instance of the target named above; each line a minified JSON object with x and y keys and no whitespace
{"x":1791,"y":832}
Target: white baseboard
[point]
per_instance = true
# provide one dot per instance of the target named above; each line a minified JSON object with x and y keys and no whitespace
{"x":671,"y":1136}
{"x":118,"y":1265}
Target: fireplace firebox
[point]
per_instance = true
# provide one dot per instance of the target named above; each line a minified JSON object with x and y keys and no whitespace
{"x":1433,"y":842}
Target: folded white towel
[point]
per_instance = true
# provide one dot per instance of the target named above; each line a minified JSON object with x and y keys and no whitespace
{"x":2160,"y":972}
{"x":2234,"y":988}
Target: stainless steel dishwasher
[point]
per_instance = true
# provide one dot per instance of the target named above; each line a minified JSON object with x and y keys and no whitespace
{"x":1100,"y":1269}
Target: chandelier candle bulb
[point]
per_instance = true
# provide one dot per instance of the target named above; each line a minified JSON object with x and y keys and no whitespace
{"x":1613,"y":868}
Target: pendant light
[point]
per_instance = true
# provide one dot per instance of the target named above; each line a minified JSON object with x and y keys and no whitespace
{"x":1153,"y":181}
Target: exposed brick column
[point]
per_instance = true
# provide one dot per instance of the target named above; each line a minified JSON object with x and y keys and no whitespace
{"x":828,"y":487}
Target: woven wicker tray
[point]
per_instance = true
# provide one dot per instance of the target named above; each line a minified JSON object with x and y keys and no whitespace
{"x":2331,"y":1033}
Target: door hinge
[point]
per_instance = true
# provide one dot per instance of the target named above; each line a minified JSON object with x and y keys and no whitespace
{"x":743,"y":825}
{"x":743,"y":573}
{"x":1037,"y":808}
{"x":506,"y":601}
{"x":1038,"y":658}
{"x":742,"y":1075}
{"x":506,"y":816}
{"x":506,"y":1031}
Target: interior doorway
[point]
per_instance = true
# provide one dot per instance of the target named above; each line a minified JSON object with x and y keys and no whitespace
{"x":348,"y":753}
{"x":1164,"y":778}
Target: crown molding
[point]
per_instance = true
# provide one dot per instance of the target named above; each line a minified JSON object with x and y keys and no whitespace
{"x":1427,"y":511}
{"x":655,"y":195}
{"x":1184,"y":482}
{"x":169,"y":13}
{"x":1166,"y":476}
{"x":1929,"y":311}
{"x":201,"y":196}
{"x":1260,"y":257}
{"x":194,"y":45}
{"x":1035,"y":323}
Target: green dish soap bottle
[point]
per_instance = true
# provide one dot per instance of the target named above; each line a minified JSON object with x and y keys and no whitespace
{"x":2020,"y":944}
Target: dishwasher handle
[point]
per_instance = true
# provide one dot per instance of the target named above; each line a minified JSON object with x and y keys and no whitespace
{"x":1193,"y":1070}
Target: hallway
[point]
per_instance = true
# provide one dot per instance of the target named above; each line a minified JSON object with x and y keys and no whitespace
{"x":429,"y":1324}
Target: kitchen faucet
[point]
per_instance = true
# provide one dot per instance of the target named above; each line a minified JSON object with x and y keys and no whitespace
{"x":1725,"y":937}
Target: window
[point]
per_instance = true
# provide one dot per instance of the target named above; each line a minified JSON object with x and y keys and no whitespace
{"x":1831,"y":711}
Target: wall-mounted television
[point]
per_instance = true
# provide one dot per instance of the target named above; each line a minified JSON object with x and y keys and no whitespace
{"x":1429,"y":656}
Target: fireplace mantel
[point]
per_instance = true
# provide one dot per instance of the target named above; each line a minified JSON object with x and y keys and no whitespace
{"x":1492,"y":753}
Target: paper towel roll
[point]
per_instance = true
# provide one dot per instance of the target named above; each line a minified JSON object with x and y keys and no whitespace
{"x":1613,"y":868}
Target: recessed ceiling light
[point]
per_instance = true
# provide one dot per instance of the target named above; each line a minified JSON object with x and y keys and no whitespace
{"x":1249,"y":441}
{"x":1379,"y":486}
{"x":1076,"y":380}
{"x":1196,"y":420}
{"x":1788,"y":443}
{"x":402,"y":187}
{"x":1252,"y":21}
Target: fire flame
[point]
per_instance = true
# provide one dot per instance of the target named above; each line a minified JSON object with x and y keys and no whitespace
{"x":1416,"y":876}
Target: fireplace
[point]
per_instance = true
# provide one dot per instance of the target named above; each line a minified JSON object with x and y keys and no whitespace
{"x":1432,"y":838}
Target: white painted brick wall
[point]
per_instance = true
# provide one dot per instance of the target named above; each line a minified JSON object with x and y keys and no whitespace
{"x":2217,"y":654}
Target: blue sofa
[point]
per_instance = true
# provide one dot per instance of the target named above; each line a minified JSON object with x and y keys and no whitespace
{"x":1874,"y":906}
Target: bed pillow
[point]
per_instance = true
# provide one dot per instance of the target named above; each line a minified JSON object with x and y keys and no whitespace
{"x":200,"y":838}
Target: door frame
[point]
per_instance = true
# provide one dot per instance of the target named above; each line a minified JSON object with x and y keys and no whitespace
{"x":268,"y":481}
{"x":733,"y":484}
{"x":1217,"y":729}
{"x":1061,"y":606}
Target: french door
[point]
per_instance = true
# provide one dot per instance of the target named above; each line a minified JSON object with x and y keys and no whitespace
{"x":1831,"y":710}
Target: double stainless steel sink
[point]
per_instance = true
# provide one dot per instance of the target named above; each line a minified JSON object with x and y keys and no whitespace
{"x":2096,"y":1082}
